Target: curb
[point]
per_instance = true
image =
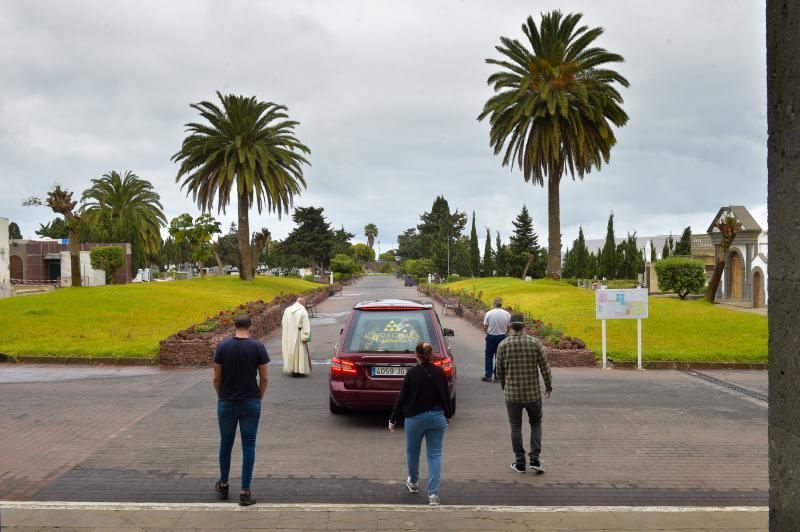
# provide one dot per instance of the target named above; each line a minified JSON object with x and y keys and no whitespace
{"x":78,"y":361}
{"x":674,"y":364}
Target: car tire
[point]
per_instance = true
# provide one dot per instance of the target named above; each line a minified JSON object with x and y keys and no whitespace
{"x":336,"y":409}
{"x":453,"y":405}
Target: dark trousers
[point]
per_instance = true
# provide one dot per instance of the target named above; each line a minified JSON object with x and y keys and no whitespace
{"x":492,"y":341}
{"x":246,"y":415}
{"x":534,"y":410}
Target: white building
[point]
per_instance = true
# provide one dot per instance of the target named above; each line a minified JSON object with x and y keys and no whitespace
{"x":745,"y":275}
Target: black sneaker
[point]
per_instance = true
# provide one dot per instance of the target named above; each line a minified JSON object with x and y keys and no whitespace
{"x":486,"y":379}
{"x":221,"y":491}
{"x":518,"y":468}
{"x":246,"y":499}
{"x":537,"y":466}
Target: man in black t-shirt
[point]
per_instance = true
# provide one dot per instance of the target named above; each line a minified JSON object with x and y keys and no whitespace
{"x":237,"y":361}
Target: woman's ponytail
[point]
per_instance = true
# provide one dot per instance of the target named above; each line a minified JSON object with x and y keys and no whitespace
{"x":425,"y":352}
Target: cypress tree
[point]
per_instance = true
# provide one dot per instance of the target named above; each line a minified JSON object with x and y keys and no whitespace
{"x":474,"y":250}
{"x":581,"y":255}
{"x":524,"y":248}
{"x":607,"y":261}
{"x":669,"y":246}
{"x":488,"y":258}
{"x":653,"y":256}
{"x":684,"y":245}
{"x":500,"y":257}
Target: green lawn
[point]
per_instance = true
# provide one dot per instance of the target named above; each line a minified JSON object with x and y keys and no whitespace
{"x":675,"y":330}
{"x":125,"y":320}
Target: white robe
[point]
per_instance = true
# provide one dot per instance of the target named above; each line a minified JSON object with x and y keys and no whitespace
{"x":296,"y":331}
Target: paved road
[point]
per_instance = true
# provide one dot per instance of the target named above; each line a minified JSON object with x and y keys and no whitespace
{"x":611,"y":437}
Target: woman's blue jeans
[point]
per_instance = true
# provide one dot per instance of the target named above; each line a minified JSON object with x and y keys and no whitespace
{"x":246,"y":415}
{"x":431,"y":426}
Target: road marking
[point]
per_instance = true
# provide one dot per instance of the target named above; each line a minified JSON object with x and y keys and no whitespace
{"x":322,"y":507}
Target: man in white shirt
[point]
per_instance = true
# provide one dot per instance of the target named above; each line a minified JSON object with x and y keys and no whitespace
{"x":495,"y":324}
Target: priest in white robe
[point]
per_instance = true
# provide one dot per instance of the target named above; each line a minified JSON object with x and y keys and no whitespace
{"x":294,"y":339}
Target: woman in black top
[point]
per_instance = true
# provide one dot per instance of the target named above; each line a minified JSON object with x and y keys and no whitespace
{"x":424,"y":404}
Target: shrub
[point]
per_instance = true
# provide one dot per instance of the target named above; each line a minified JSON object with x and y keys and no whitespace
{"x":422,"y":267}
{"x":309,"y":278}
{"x":680,"y":275}
{"x":453,"y":278}
{"x":108,"y":259}
{"x":343,"y":264}
{"x":387,"y":267}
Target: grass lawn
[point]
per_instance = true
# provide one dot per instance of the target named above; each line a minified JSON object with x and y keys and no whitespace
{"x":675,"y":330}
{"x":124,"y":320}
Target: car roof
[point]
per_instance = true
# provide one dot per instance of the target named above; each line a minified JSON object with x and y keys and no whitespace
{"x":392,"y":304}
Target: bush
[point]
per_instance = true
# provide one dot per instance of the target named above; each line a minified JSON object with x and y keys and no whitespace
{"x":309,"y":278}
{"x":387,"y":267}
{"x":343,"y":264}
{"x":108,"y":259}
{"x":453,"y":278}
{"x":680,"y":275}
{"x":422,"y":267}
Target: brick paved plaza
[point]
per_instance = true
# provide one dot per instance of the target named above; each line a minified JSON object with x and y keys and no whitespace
{"x":614,"y":437}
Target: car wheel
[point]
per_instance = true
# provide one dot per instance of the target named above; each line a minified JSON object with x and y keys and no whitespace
{"x":453,"y":405}
{"x":336,"y":409}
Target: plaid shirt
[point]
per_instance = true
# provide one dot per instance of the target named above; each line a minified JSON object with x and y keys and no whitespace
{"x":519,"y":359}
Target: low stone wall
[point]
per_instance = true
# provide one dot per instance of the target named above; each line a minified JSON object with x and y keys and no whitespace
{"x":190,"y":348}
{"x":559,"y":358}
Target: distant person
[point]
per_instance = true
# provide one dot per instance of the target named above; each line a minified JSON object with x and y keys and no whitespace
{"x":520,"y":358}
{"x":425,"y":405}
{"x":237,"y":361}
{"x":495,"y":325}
{"x":294,"y":339}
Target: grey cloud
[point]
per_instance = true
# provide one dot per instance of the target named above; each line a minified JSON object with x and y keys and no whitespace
{"x":387,"y":94}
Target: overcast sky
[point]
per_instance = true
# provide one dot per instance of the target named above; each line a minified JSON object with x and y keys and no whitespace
{"x":387,"y":95}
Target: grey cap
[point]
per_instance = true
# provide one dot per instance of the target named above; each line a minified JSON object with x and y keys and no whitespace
{"x":517,"y":318}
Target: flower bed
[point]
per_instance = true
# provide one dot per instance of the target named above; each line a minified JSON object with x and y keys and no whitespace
{"x":561,"y":350}
{"x":195,"y":345}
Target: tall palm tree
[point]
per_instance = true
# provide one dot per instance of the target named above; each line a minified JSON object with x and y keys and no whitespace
{"x":246,"y":147}
{"x":553,"y":108}
{"x":125,"y":208}
{"x":371,"y":232}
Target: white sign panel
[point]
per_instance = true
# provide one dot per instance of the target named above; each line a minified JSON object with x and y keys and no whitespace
{"x":627,"y":304}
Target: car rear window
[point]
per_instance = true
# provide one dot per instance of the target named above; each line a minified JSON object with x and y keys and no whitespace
{"x":390,"y":331}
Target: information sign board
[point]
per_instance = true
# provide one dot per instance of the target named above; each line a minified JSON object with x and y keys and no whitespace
{"x":614,"y":304}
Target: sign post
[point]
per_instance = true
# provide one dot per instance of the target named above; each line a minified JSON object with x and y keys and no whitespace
{"x":622,"y":304}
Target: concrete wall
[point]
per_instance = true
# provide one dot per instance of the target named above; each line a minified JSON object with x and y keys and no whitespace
{"x":5,"y":257}
{"x":91,"y":277}
{"x":783,"y":162}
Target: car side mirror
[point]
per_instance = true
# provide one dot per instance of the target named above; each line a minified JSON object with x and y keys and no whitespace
{"x":448,"y":332}
{"x":341,"y":331}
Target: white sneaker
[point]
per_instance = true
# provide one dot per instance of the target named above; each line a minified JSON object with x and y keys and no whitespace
{"x":413,"y":487}
{"x":433,"y":499}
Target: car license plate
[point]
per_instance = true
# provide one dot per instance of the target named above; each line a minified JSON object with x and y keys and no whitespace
{"x":389,"y":371}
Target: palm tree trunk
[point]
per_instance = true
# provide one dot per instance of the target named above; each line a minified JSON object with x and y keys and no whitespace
{"x":553,"y":228}
{"x":245,"y":272}
{"x":75,"y":256}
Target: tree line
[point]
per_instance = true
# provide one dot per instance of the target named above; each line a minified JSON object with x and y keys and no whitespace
{"x":439,"y":245}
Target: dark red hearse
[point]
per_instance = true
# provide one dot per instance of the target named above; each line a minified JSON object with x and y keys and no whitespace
{"x":376,"y":348}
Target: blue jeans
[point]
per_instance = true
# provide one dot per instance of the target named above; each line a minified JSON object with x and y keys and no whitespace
{"x":492,"y":341}
{"x":431,"y":426}
{"x":245,"y":414}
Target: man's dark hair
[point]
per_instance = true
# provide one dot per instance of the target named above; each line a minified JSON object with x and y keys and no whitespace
{"x":242,"y":322}
{"x":517,"y":322}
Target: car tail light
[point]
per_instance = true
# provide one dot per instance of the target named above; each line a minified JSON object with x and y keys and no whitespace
{"x":446,"y":364}
{"x":341,"y":367}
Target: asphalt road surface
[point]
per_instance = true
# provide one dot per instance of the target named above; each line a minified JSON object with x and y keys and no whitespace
{"x":613,"y":437}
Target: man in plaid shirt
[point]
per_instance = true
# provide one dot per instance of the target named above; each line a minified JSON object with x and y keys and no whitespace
{"x":520,"y":357}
